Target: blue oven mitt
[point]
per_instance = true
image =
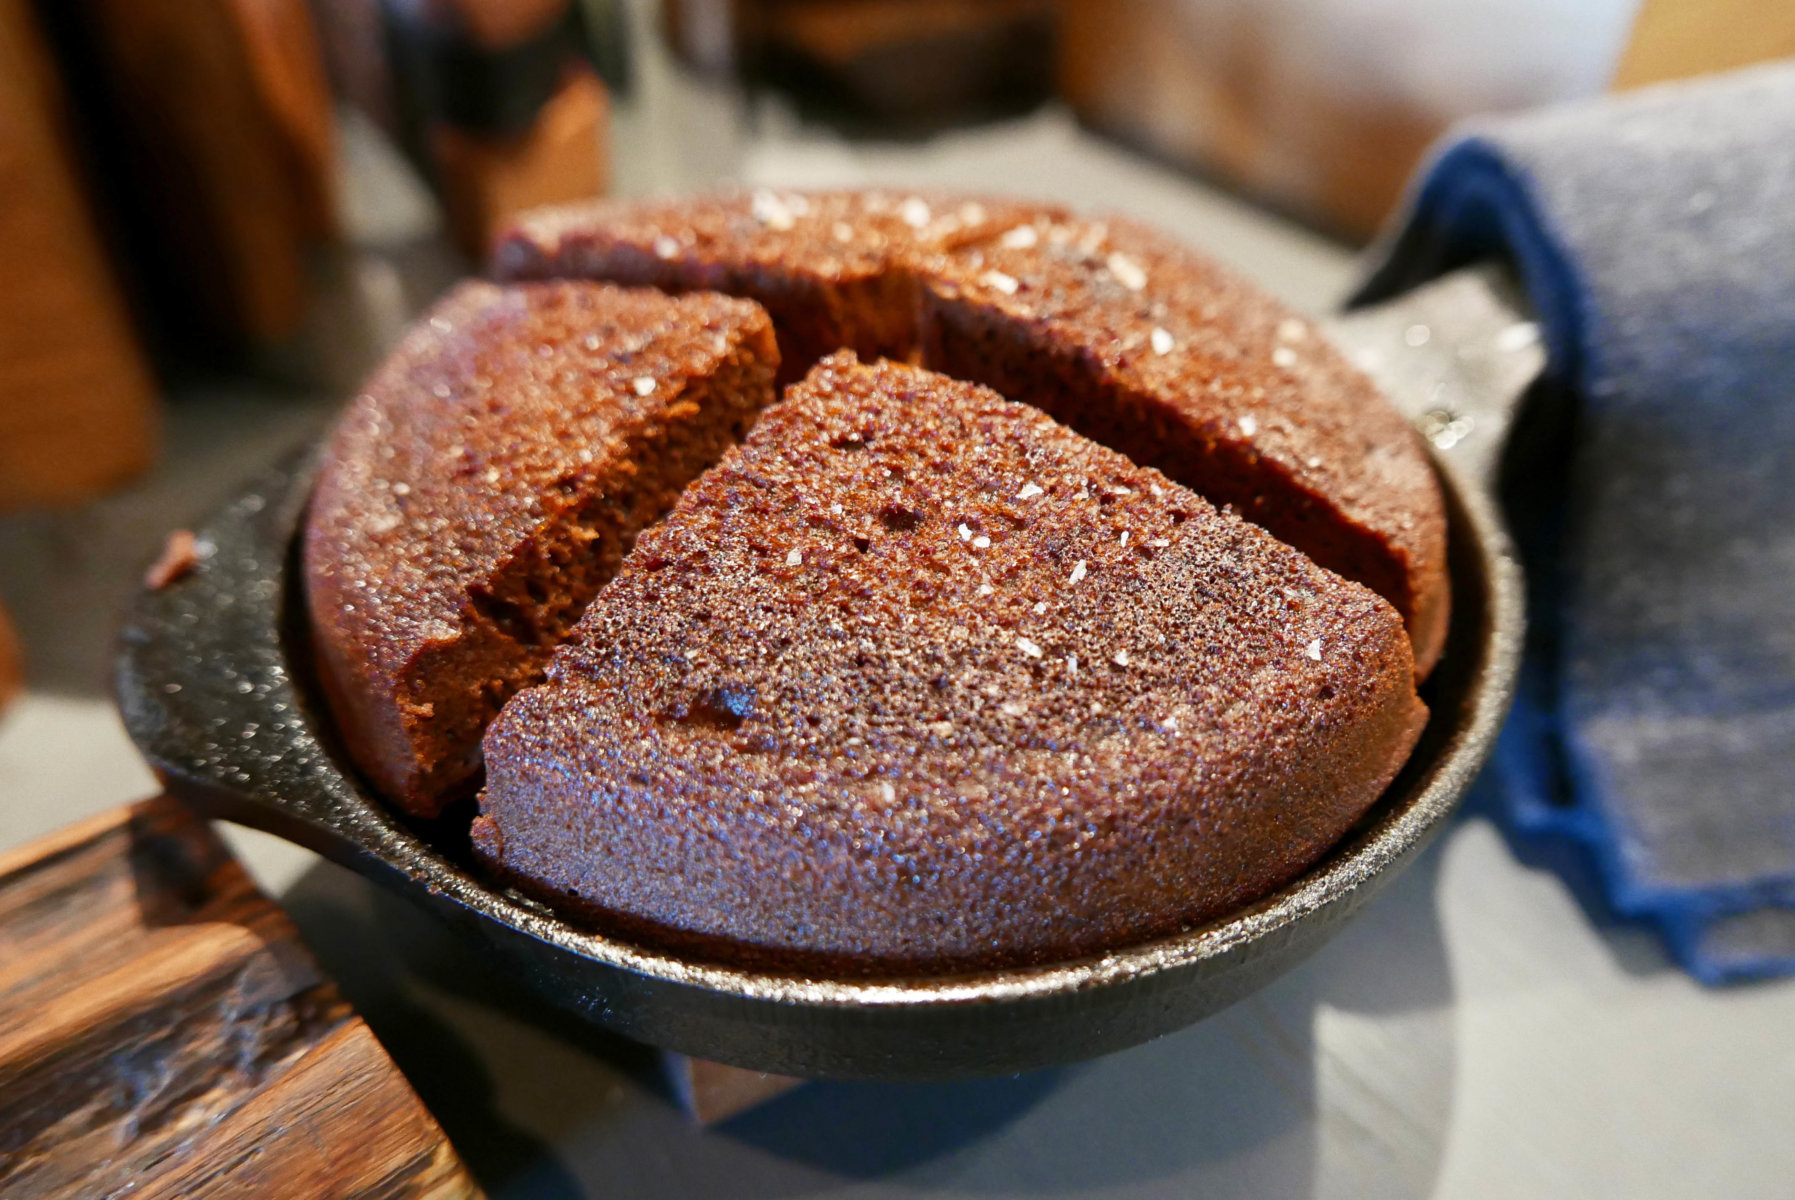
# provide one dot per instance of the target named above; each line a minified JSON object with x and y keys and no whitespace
{"x":1655,"y":234}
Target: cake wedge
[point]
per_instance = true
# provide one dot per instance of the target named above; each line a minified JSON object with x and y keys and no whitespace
{"x":487,"y":481}
{"x":918,"y":680}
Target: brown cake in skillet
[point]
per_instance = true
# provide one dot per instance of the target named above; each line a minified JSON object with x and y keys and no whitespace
{"x":1130,"y":338}
{"x":488,"y":480}
{"x":919,"y":679}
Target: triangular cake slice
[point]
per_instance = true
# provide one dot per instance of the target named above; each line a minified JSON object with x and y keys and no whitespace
{"x":918,"y":679}
{"x":1119,"y":331}
{"x":487,"y":481}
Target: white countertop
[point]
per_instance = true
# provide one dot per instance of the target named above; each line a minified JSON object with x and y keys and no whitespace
{"x":1474,"y":1034}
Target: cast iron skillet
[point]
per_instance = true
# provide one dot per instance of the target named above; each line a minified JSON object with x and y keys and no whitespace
{"x":213,"y":687}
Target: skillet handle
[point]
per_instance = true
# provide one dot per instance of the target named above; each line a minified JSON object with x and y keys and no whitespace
{"x":1457,"y":356}
{"x":204,"y":685}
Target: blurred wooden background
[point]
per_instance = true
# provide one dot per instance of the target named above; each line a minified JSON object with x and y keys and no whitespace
{"x":168,"y":168}
{"x":77,"y":411}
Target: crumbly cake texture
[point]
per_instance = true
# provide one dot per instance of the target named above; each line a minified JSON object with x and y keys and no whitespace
{"x":1116,"y":330}
{"x":919,"y":679}
{"x":489,"y":479}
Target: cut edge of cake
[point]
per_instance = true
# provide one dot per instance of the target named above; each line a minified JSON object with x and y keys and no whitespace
{"x":416,"y":659}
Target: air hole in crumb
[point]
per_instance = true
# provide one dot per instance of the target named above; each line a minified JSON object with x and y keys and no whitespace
{"x":899,"y":519}
{"x":850,"y":441}
{"x":863,"y":544}
{"x":511,"y":619}
{"x":724,"y":707}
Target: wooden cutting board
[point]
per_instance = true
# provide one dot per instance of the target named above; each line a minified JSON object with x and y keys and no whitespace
{"x":164,"y":1033}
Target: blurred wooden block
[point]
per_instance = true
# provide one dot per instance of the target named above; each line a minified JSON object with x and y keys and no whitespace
{"x":1674,"y":39}
{"x":488,"y":179}
{"x":711,"y":1092}
{"x":841,"y":31}
{"x":1257,"y":95}
{"x":929,"y":61}
{"x":497,"y":24}
{"x":12,"y":671}
{"x":77,"y":410}
{"x":1327,"y":109}
{"x":228,"y":122}
{"x":163,"y":1033}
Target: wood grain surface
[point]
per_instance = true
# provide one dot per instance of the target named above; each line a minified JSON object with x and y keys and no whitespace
{"x":164,"y":1033}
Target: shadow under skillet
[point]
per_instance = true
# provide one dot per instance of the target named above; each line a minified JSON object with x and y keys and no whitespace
{"x":1252,"y":1102}
{"x":1632,"y":944}
{"x":347,"y":923}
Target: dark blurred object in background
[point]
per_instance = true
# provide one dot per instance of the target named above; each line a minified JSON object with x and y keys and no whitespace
{"x":12,"y":673}
{"x":77,"y":413}
{"x":212,"y":129}
{"x":188,"y":155}
{"x":503,"y":104}
{"x":216,"y":121}
{"x":352,"y":35}
{"x":178,"y":187}
{"x":498,"y":102}
{"x":485,"y":181}
{"x":913,"y":64}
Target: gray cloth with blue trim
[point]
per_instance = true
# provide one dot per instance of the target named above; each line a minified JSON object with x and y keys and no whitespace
{"x":1655,"y":233}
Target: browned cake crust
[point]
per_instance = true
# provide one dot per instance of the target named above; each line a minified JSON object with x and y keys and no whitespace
{"x":1120,"y":332}
{"x":918,"y":679}
{"x":1155,"y":351}
{"x":829,"y":266}
{"x":489,"y":479}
